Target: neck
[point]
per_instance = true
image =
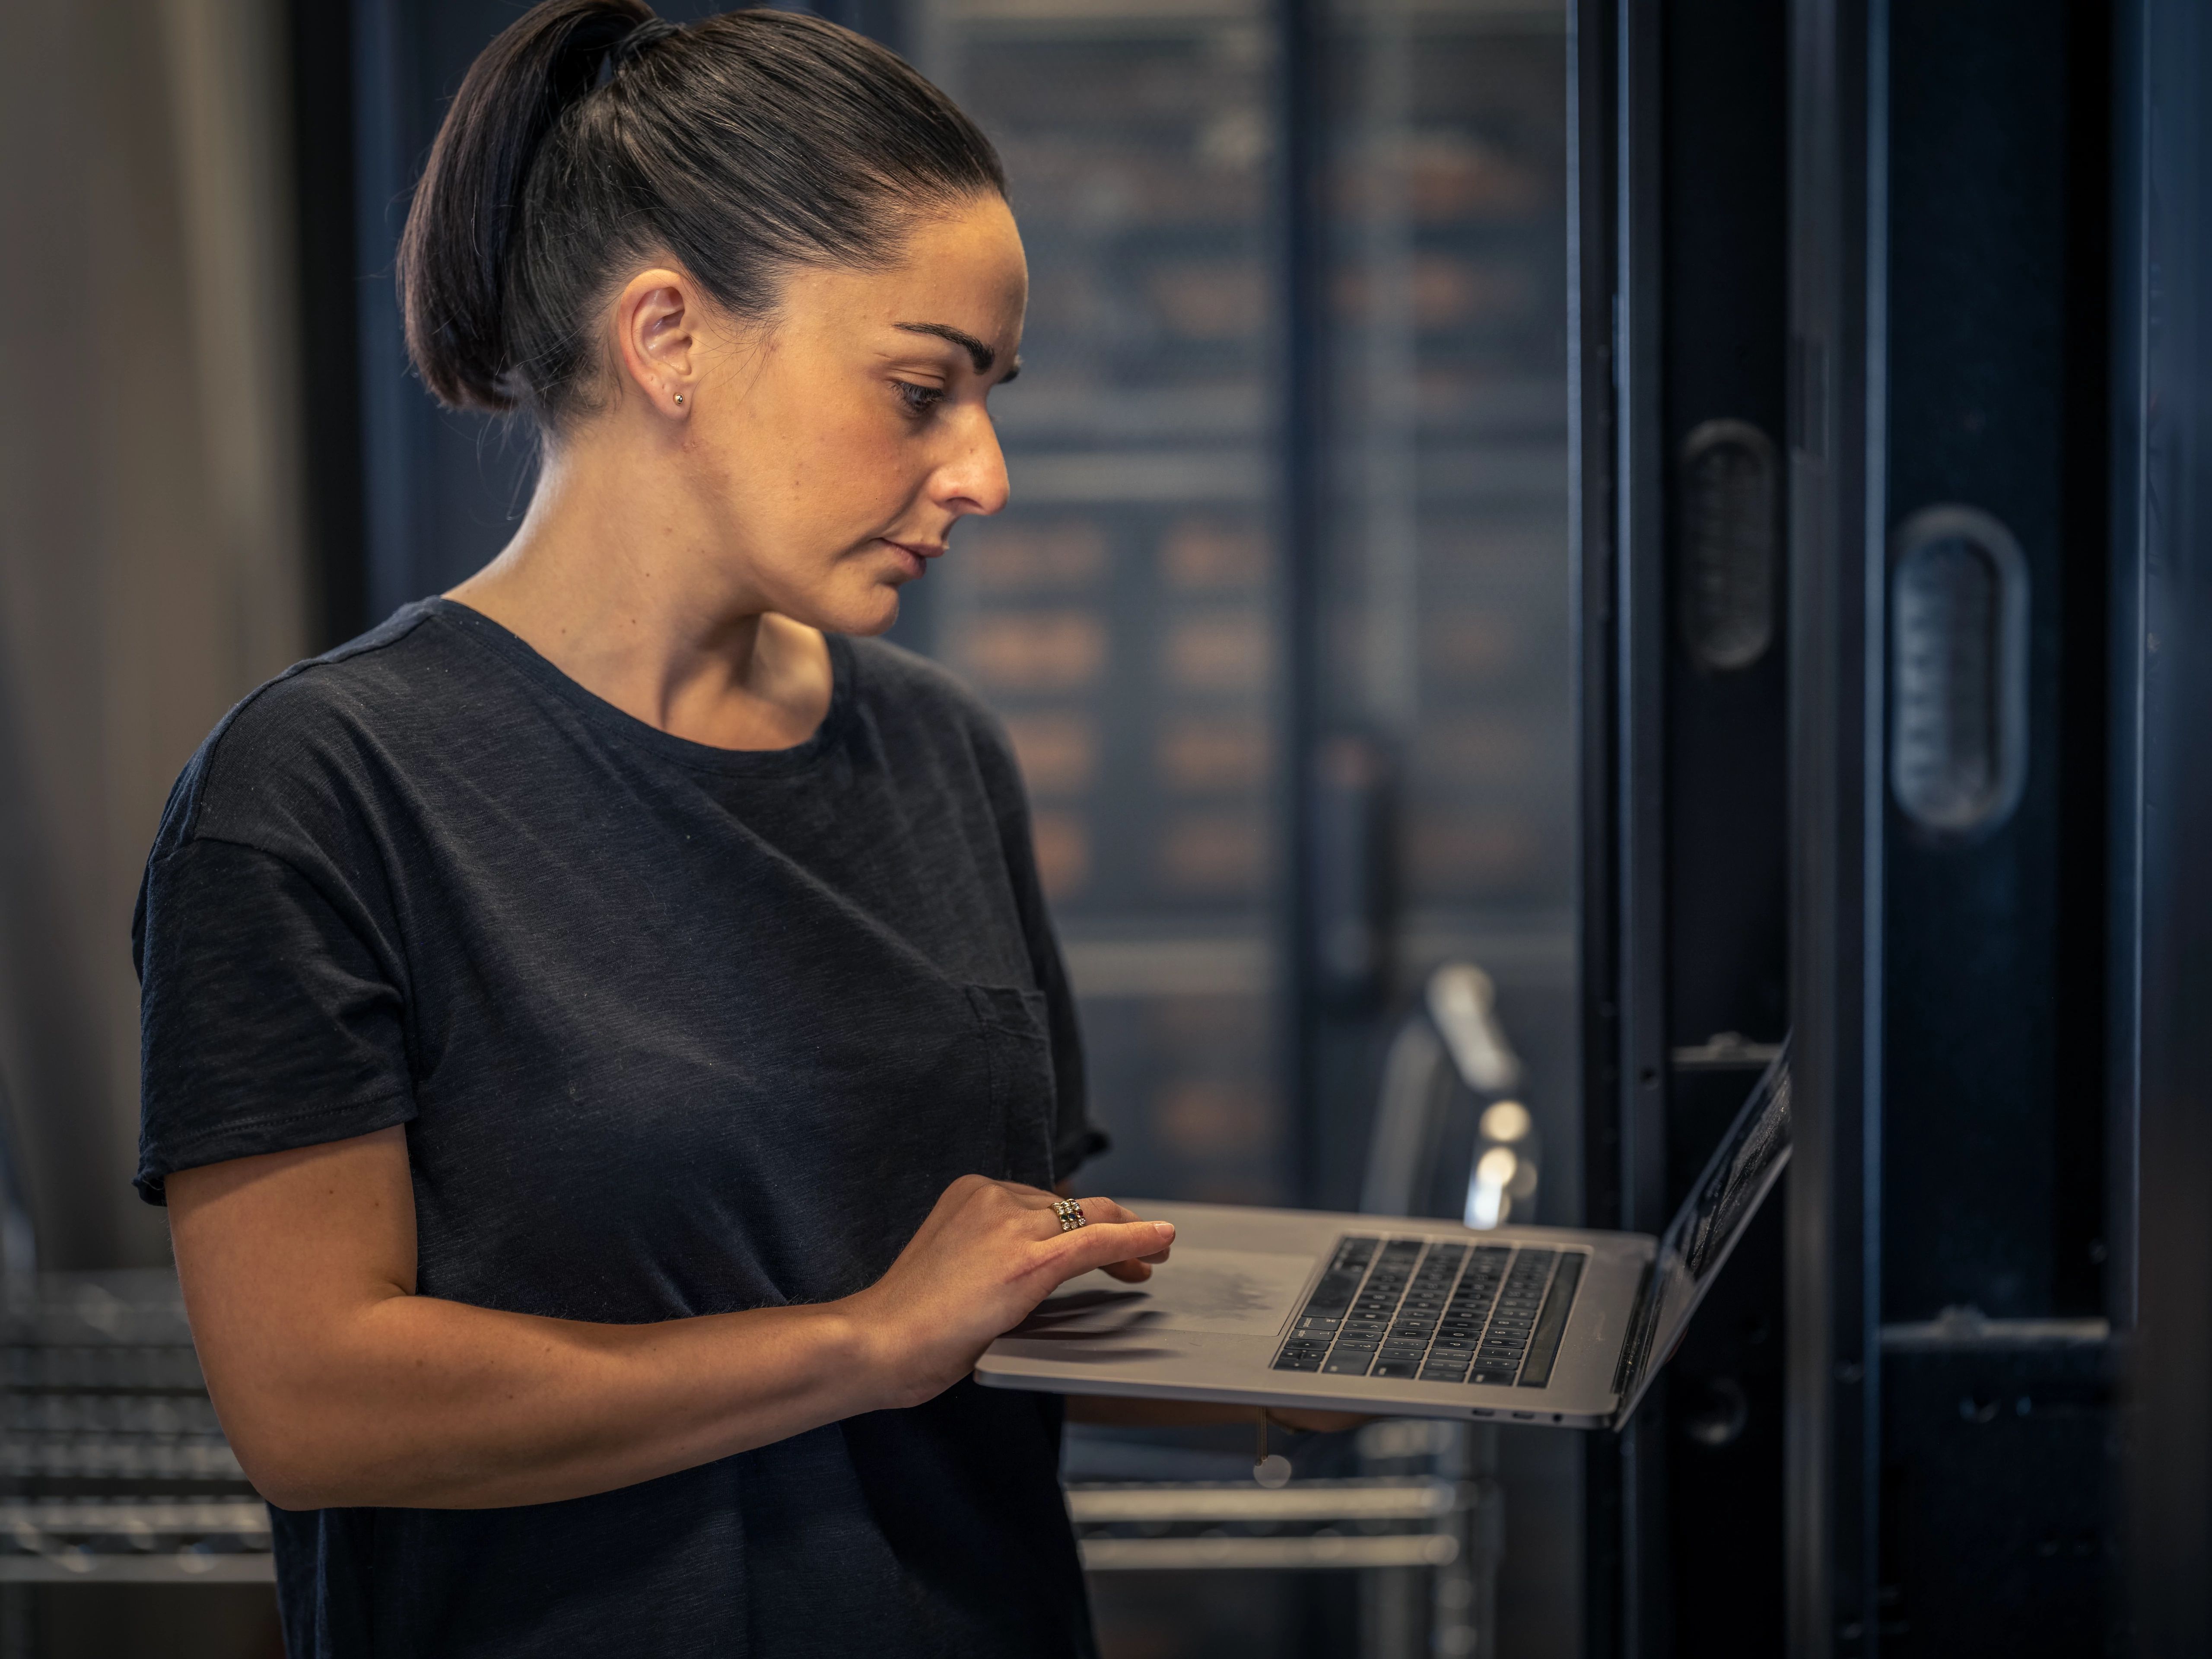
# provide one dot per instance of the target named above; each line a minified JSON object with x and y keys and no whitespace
{"x":615,"y":580}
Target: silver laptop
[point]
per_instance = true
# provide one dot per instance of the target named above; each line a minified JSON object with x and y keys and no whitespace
{"x":1402,"y":1316}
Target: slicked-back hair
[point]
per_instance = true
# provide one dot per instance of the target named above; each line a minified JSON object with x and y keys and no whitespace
{"x":590,"y":136}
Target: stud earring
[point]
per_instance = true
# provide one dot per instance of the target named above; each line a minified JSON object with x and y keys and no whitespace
{"x":679,"y":396}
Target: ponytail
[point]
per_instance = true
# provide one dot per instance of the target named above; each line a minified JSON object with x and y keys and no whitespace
{"x":591,"y":134}
{"x":453,"y":254}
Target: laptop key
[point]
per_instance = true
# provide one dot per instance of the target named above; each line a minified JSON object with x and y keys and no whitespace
{"x":1347,"y":1365}
{"x":1397,"y":1368}
{"x":1294,"y":1363}
{"x":1486,"y":1377}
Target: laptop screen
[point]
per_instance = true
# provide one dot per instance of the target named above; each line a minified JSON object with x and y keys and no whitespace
{"x":1747,"y":1164}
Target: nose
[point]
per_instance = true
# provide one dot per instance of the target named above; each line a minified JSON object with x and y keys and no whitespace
{"x":973,"y":478}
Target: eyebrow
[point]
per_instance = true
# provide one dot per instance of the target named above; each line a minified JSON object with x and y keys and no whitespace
{"x":979,"y":354}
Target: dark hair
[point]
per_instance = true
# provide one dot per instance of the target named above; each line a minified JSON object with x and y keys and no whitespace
{"x":591,"y":135}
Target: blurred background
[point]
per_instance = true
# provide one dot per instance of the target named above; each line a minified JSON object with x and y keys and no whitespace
{"x":1290,"y":468}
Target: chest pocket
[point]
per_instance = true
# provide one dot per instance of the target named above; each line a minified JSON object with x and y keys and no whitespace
{"x":1017,"y":1049}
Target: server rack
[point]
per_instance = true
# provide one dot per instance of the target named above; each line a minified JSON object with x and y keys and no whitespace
{"x":1950,"y":1257}
{"x":2162,"y":645}
{"x":1960,"y":720}
{"x":1684,"y":617}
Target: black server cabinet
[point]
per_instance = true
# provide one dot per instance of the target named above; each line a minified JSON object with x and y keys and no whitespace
{"x":1994,"y":958}
{"x":1860,"y":255}
{"x":1956,"y":740}
{"x":2162,"y":640}
{"x":1681,"y":220}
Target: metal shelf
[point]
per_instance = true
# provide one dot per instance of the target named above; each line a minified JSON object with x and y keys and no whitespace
{"x":103,"y":1415}
{"x":1310,"y":1525}
{"x":219,"y":1540}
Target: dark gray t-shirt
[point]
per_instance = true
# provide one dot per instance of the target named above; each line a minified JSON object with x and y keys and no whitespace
{"x":673,"y":1031}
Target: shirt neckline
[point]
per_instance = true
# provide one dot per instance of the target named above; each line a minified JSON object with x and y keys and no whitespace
{"x":518,"y":652}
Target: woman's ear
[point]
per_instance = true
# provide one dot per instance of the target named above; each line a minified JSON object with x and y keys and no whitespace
{"x":656,"y":321}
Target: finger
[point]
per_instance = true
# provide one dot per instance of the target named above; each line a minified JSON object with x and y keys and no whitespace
{"x":1090,"y":1212}
{"x":1129,"y":1272}
{"x":1147,"y":1262}
{"x":1085,"y":1247}
{"x":1105,"y":1209}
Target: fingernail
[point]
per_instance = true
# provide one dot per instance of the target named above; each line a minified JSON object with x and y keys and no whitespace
{"x":1166,"y":1229}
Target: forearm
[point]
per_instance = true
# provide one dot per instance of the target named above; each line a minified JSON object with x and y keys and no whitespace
{"x":339,"y":1386}
{"x":412,"y":1400}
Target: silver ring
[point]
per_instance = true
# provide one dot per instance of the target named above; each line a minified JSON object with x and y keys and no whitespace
{"x":1070,"y":1211}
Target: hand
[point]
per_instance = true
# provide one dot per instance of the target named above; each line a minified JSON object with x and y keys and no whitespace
{"x":988,"y":1254}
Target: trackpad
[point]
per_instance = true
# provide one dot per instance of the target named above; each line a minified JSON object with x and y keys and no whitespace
{"x":1225,"y":1292}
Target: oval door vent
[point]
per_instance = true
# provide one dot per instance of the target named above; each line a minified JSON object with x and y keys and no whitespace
{"x":1730,"y":526}
{"x":1958,"y":670}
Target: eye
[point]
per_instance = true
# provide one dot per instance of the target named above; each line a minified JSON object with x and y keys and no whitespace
{"x":919,"y":399}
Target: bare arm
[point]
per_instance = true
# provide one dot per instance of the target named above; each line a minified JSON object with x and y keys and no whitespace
{"x":338,"y":1384}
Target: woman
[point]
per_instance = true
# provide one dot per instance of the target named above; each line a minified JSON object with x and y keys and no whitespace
{"x":605,"y":1057}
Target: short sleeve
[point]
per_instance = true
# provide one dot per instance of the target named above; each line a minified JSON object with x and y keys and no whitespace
{"x":266,"y":1022}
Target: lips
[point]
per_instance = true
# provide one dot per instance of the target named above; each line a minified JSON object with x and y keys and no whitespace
{"x":915,"y":555}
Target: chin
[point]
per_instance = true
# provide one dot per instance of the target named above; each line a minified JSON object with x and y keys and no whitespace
{"x":866,"y":616}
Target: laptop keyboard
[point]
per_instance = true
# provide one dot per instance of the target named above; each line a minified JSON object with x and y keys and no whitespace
{"x":1441,"y":1312}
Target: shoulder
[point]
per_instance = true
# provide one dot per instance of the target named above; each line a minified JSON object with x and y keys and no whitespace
{"x":296,"y":741}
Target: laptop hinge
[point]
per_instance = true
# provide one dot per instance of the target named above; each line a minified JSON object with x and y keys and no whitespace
{"x":1638,"y":1347}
